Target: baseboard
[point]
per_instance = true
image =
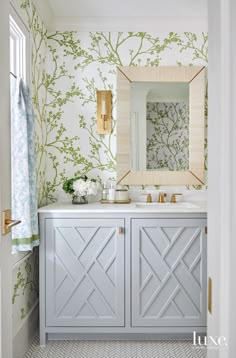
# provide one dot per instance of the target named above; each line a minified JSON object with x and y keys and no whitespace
{"x":26,"y":333}
{"x":121,"y":337}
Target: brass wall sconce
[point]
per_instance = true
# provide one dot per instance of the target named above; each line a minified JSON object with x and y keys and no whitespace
{"x":104,"y":124}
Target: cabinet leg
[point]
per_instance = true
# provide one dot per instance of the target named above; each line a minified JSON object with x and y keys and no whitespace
{"x":43,"y":338}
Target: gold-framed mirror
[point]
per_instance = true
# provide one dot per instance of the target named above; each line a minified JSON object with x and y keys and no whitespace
{"x":148,"y":100}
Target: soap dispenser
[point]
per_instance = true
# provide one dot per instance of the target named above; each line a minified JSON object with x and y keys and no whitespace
{"x":104,"y":192}
{"x":112,"y":193}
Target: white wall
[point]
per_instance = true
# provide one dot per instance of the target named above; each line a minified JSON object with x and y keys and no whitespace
{"x":222,"y":174}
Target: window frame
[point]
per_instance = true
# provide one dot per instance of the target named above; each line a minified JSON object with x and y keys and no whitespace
{"x":20,"y":59}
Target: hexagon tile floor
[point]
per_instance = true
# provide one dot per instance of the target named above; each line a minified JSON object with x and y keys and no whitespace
{"x":115,"y":349}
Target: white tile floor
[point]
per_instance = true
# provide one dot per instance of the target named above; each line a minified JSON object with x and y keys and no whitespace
{"x":115,"y":349}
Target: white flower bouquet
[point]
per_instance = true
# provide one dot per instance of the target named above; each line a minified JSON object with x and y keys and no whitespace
{"x":80,"y":188}
{"x":84,"y":188}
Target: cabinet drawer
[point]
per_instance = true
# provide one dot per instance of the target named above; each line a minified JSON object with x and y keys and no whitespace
{"x":169,"y":272}
{"x":84,"y":272}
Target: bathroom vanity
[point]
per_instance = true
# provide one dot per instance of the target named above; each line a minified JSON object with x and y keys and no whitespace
{"x":122,"y":271}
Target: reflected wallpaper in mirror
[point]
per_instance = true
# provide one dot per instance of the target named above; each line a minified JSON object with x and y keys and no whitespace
{"x":160,"y":126}
{"x":167,"y":136}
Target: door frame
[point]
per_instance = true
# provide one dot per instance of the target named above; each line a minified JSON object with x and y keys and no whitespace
{"x":222,"y":175}
{"x":5,"y":183}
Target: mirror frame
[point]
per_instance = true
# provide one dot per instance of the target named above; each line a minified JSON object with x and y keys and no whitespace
{"x":195,"y":76}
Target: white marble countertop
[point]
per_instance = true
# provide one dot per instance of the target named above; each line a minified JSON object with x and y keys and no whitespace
{"x":68,"y":208}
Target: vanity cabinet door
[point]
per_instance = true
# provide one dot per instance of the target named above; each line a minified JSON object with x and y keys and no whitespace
{"x":169,"y":272}
{"x":84,"y":272}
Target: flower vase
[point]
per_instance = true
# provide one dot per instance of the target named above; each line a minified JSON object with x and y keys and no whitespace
{"x":79,"y":199}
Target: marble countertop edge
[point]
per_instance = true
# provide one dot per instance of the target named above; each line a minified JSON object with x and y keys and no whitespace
{"x":97,"y":207}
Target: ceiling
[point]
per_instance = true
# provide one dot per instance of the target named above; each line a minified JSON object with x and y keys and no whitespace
{"x":124,"y":15}
{"x":131,"y":8}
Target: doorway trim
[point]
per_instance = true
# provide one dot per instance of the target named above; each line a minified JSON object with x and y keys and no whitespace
{"x":222,"y":174}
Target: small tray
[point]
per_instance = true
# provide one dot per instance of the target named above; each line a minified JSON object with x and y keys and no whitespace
{"x":115,"y":202}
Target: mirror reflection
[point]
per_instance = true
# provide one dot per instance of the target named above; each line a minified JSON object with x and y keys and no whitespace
{"x":160,"y":126}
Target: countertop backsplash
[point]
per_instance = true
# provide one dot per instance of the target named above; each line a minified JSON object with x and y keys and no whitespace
{"x":187,"y":195}
{"x":138,"y":194}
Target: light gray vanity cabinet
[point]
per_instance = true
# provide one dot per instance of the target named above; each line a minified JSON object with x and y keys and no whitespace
{"x":84,"y":272}
{"x":169,"y":272}
{"x":121,"y":274}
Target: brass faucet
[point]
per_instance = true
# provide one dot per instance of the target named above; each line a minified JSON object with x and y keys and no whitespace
{"x":149,"y":198}
{"x":173,"y":197}
{"x":162,"y":197}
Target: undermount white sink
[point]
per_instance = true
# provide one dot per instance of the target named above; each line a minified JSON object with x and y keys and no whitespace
{"x":180,"y":205}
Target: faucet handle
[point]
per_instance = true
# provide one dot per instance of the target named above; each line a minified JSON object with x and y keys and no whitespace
{"x":162,"y":197}
{"x":173,"y":197}
{"x":149,"y":198}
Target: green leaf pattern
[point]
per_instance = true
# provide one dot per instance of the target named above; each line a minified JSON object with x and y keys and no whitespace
{"x":67,"y":69}
{"x":167,"y":136}
{"x":25,"y":288}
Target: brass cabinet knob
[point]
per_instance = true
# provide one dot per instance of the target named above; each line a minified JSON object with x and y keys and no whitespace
{"x":120,"y":230}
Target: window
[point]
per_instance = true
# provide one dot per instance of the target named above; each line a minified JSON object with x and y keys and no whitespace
{"x":19,"y":47}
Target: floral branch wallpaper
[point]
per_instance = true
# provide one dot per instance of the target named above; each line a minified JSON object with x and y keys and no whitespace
{"x":25,"y":289}
{"x":167,"y":136}
{"x":67,"y":69}
{"x":80,"y":63}
{"x":65,"y":81}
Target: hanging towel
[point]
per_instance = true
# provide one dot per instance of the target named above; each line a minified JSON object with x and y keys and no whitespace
{"x":24,"y":192}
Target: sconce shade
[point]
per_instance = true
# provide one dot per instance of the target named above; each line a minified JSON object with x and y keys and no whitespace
{"x":104,"y":123}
